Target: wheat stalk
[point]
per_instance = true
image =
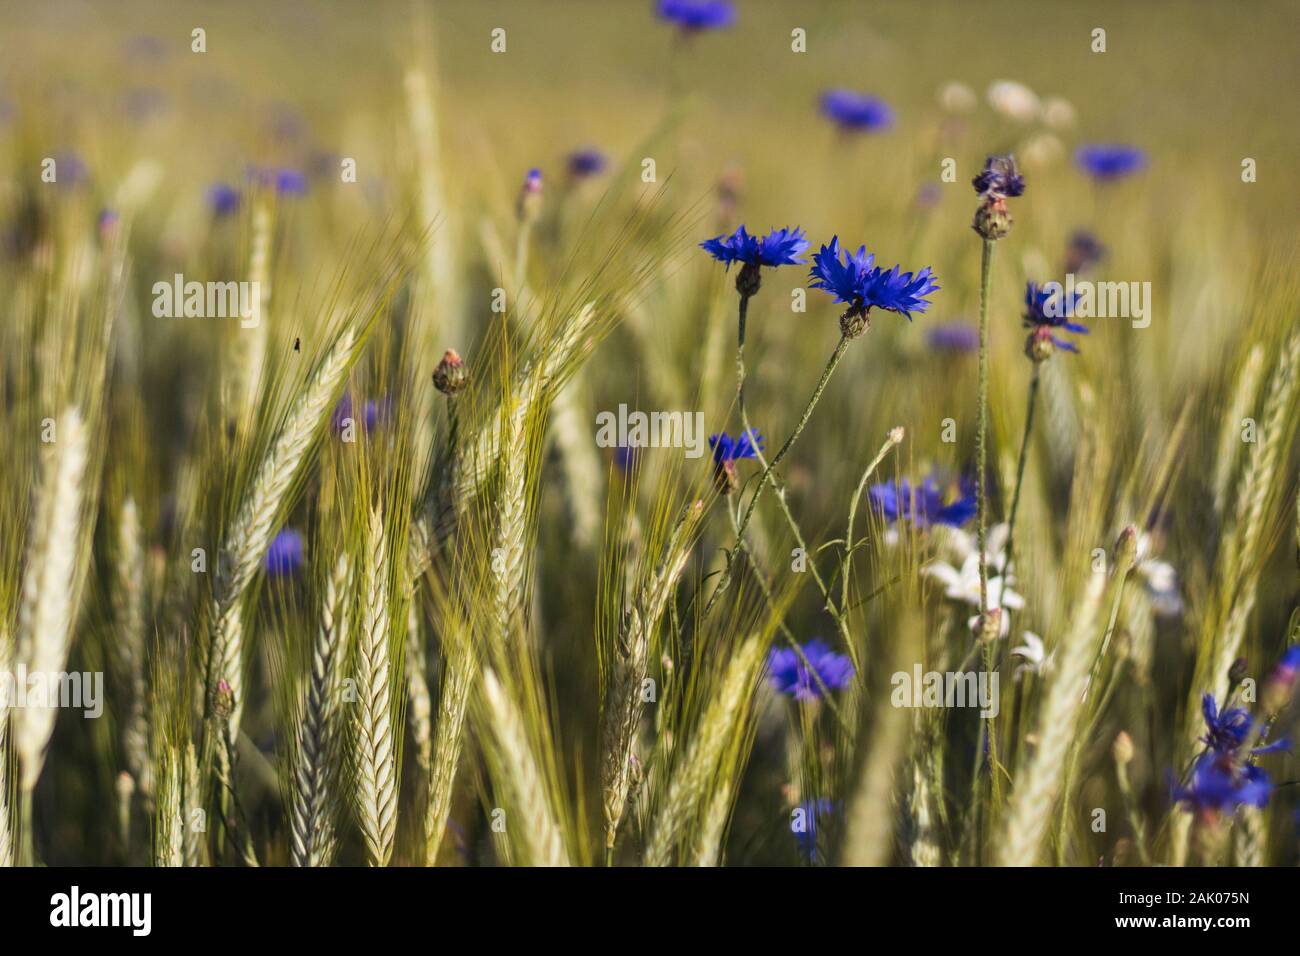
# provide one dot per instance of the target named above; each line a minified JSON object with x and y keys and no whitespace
{"x":129,"y":598}
{"x":1243,"y":395}
{"x":691,"y":784}
{"x":376,"y":757}
{"x":168,"y":839}
{"x":250,"y":534}
{"x":1034,"y":798}
{"x":458,"y":675}
{"x":537,"y":834}
{"x":623,"y":702}
{"x":6,"y":828}
{"x":49,"y":586}
{"x":508,"y":555}
{"x":314,"y":798}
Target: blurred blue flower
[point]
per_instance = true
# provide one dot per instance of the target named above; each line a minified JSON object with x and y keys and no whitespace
{"x":788,"y":674}
{"x":923,"y":504}
{"x":780,"y":247}
{"x":745,"y":445}
{"x":953,"y":337}
{"x":374,"y":413}
{"x":223,"y":199}
{"x":69,"y":170}
{"x":999,"y":179}
{"x":1221,"y":784}
{"x":1047,"y":309}
{"x":284,"y":557}
{"x":696,"y":15}
{"x":285,"y":181}
{"x":805,"y":824}
{"x":856,"y":112}
{"x":1106,"y":161}
{"x":587,"y":162}
{"x":862,"y":287}
{"x":1227,"y":732}
{"x":1084,"y":250}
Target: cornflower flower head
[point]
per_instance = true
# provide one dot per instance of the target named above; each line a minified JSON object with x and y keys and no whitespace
{"x":1047,"y":311}
{"x":586,"y":163}
{"x":780,"y":247}
{"x":804,"y":824}
{"x":824,"y":671}
{"x":923,"y":504}
{"x":999,"y":177}
{"x":696,"y":16}
{"x":284,"y":557}
{"x":856,"y":112}
{"x":223,"y":199}
{"x":727,"y":451}
{"x":1219,"y":784}
{"x":1109,"y":162}
{"x":1280,"y":685}
{"x":996,"y":183}
{"x":857,"y":282}
{"x":1229,"y":731}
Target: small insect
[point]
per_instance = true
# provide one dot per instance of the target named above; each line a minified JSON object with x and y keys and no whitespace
{"x":296,"y":343}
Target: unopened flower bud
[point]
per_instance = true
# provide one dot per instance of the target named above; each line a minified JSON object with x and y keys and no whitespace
{"x":724,"y":476}
{"x":1122,"y":749}
{"x":529,"y":204}
{"x":992,"y":219}
{"x":1040,"y":346}
{"x":1238,"y":671}
{"x":896,"y":434}
{"x":451,"y":375}
{"x":988,"y":627}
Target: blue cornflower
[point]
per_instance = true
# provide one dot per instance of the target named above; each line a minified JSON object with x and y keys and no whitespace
{"x":804,"y":824}
{"x":726,"y":451}
{"x":999,"y":179}
{"x":374,"y":413}
{"x":1107,"y":162}
{"x":69,"y":169}
{"x":788,"y":674}
{"x":1047,"y":308}
{"x":692,"y":16}
{"x":286,"y":182}
{"x":863,"y":287}
{"x":223,"y":199}
{"x":587,"y":162}
{"x":780,"y":247}
{"x":856,"y":112}
{"x":1219,"y":783}
{"x":923,"y":504}
{"x":284,"y":557}
{"x":953,"y":337}
{"x":1227,"y":732}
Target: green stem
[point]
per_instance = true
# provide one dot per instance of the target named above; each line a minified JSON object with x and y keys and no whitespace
{"x":981,"y":436}
{"x":1020,"y":474}
{"x":725,"y":581}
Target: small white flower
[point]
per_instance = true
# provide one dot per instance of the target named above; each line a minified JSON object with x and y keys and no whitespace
{"x":1014,"y":100}
{"x":964,"y":586}
{"x":957,"y":98}
{"x":1059,"y":113}
{"x":1161,"y":580}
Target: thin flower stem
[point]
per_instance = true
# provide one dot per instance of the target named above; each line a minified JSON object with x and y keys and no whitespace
{"x":981,"y":436}
{"x":748,"y":429}
{"x":1020,"y":474}
{"x":725,"y":580}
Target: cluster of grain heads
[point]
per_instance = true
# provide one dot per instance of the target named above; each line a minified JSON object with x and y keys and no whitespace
{"x":130,"y":647}
{"x":250,"y":534}
{"x":1038,"y":785}
{"x":314,"y":784}
{"x":531,"y":822}
{"x":375,"y":733}
{"x":623,"y":699}
{"x":692,"y":779}
{"x":49,"y":598}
